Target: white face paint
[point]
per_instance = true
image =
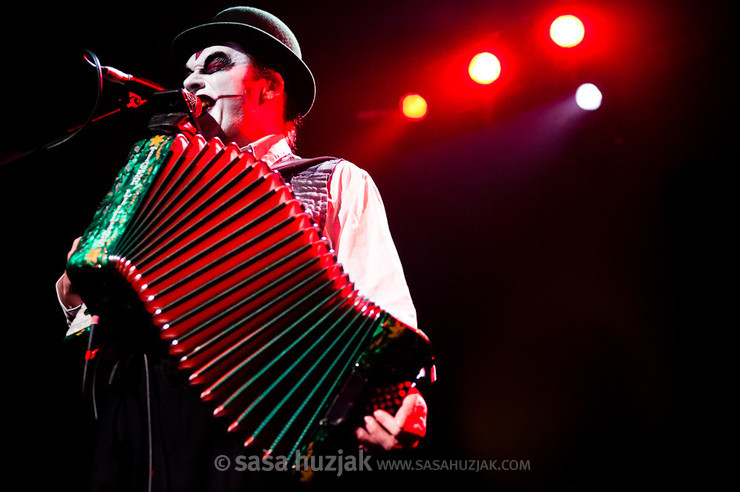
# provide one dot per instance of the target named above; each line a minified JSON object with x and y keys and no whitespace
{"x":221,"y":76}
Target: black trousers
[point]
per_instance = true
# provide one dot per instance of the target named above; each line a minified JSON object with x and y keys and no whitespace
{"x":153,"y":433}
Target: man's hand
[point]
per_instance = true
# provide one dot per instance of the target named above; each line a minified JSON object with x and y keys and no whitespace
{"x":384,"y":431}
{"x":67,"y":293}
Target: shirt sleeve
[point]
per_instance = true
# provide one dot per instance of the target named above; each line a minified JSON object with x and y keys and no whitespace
{"x":357,"y":228}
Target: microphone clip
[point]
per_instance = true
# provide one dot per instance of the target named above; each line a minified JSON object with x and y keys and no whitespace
{"x":134,"y":101}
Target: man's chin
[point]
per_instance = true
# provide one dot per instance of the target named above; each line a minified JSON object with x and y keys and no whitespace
{"x":210,"y":128}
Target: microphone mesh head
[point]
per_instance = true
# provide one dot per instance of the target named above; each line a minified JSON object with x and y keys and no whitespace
{"x":195,"y":105}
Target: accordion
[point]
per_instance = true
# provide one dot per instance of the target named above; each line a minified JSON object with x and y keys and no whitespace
{"x":228,"y":269}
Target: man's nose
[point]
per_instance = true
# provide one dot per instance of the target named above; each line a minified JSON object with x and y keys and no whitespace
{"x":193,"y":82}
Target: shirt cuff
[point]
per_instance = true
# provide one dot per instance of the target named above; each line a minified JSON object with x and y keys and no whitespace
{"x":79,"y":323}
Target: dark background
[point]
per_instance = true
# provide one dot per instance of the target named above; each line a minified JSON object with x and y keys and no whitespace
{"x":569,"y":266}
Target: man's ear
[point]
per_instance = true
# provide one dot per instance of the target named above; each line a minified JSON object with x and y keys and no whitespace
{"x":274,"y":87}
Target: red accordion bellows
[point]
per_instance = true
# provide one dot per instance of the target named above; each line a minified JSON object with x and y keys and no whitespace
{"x":246,"y":294}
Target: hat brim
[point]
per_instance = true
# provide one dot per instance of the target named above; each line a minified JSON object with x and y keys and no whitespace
{"x":268,"y":50}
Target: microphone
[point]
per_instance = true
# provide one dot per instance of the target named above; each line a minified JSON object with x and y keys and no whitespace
{"x":120,"y":77}
{"x":177,"y":101}
{"x":193,"y":102}
{"x":171,"y":105}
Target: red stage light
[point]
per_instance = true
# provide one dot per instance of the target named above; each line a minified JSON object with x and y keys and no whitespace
{"x":414,"y":107}
{"x":567,"y":31}
{"x":484,"y":68}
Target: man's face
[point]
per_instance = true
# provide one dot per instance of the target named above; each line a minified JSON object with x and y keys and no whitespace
{"x":222,"y":77}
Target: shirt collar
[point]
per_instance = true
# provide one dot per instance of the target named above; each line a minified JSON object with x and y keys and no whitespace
{"x":273,"y":150}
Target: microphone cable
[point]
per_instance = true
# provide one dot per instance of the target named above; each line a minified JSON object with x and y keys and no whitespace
{"x":15,"y":155}
{"x":93,"y":60}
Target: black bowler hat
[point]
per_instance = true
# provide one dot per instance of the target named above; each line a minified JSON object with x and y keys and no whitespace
{"x":263,"y":36}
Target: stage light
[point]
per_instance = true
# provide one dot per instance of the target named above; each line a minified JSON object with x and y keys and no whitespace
{"x":567,"y":31}
{"x":588,"y":97}
{"x":414,"y":107}
{"x":484,"y":68}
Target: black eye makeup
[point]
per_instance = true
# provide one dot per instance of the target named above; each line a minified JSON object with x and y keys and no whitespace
{"x":215,"y":62}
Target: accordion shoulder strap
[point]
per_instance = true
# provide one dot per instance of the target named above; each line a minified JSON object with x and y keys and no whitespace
{"x":309,"y":179}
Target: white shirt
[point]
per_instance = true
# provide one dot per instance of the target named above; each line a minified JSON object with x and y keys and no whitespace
{"x":356,"y":228}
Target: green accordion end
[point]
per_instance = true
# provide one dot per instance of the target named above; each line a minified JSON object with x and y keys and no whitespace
{"x":120,"y":204}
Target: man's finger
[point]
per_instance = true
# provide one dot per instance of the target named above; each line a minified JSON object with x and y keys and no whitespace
{"x":362,"y":435}
{"x":375,"y":434}
{"x":74,"y":247}
{"x":388,"y":422}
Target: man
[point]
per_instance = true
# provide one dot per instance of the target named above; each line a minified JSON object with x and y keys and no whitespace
{"x":246,"y":68}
